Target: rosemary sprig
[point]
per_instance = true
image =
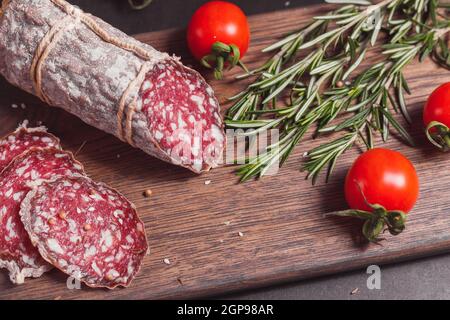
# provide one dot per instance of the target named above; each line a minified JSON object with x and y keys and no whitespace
{"x":370,"y":105}
{"x":294,"y":95}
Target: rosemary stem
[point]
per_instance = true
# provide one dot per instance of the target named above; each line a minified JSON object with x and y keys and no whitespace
{"x":377,"y":6}
{"x":441,"y":32}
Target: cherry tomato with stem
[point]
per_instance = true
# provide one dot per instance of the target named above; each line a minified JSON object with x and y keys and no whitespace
{"x":436,"y":117}
{"x":381,"y":187}
{"x":218,"y":36}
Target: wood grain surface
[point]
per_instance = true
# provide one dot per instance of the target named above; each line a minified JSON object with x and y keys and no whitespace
{"x":284,"y":236}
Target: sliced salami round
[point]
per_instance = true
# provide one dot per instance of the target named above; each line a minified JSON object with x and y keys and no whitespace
{"x":17,"y":254}
{"x":23,"y":139}
{"x":86,"y":229}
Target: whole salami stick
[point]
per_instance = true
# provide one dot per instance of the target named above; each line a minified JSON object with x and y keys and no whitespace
{"x":76,"y":61}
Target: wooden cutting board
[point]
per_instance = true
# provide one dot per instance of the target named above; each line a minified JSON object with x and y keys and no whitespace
{"x":284,"y":236}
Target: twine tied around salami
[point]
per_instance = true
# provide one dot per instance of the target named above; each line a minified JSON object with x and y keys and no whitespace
{"x":131,"y":107}
{"x":74,"y":16}
{"x":78,"y":62}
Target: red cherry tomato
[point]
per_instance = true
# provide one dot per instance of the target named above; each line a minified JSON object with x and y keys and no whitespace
{"x":217,"y":21}
{"x":218,"y":35}
{"x":438,"y":106}
{"x":436,"y":116}
{"x":384,"y":177}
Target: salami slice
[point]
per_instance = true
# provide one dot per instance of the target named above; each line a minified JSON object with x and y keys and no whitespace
{"x":17,"y":254}
{"x":109,"y":80}
{"x":23,"y":139}
{"x":87,"y":230}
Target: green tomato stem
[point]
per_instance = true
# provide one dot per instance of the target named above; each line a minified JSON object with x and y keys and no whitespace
{"x":376,"y":221}
{"x":440,"y":138}
{"x":144,"y":4}
{"x":222,"y":53}
{"x":447,"y":140}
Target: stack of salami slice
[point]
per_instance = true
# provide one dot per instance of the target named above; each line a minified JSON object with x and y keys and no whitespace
{"x":53,"y":215}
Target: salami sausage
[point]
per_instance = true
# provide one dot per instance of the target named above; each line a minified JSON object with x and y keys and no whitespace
{"x":86,"y":229}
{"x":109,"y":80}
{"x":17,"y":254}
{"x":23,"y":139}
